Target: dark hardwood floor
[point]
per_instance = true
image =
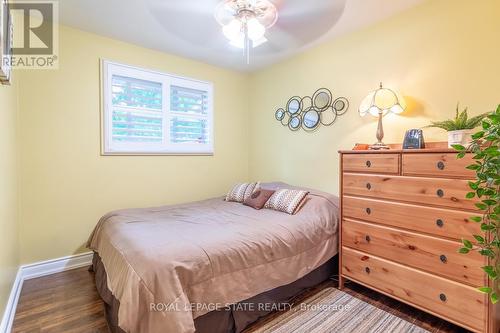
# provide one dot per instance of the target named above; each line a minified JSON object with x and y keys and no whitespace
{"x":63,"y":302}
{"x":69,"y":302}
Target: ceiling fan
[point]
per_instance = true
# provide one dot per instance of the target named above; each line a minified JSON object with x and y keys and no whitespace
{"x":289,"y":24}
{"x":245,"y":22}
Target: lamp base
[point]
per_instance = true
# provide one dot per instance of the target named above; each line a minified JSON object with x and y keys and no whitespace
{"x":379,"y":146}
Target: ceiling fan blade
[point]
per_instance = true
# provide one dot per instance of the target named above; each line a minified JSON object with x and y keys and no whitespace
{"x":305,"y":24}
{"x":185,"y":7}
{"x":277,"y":3}
{"x":279,"y":40}
{"x":224,"y":13}
{"x":295,"y":31}
{"x":197,"y":27}
{"x":266,"y":12}
{"x":307,"y":10}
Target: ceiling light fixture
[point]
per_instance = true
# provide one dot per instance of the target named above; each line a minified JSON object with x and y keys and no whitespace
{"x":245,"y":22}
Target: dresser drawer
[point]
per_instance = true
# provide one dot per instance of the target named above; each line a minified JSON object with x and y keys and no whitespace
{"x":435,"y":255}
{"x":454,"y":301}
{"x":436,"y":221}
{"x":431,"y":191}
{"x":380,"y":163}
{"x":438,"y":165}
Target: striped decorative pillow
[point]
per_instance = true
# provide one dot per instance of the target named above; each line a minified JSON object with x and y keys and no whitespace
{"x":286,"y":200}
{"x":240,"y":192}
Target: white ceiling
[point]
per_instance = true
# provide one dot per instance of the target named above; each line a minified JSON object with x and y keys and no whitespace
{"x":188,"y":28}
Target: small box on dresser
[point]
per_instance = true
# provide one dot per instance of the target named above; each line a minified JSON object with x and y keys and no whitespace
{"x":403,"y":215}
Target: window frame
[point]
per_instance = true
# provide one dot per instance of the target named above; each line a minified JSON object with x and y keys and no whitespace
{"x":110,"y":68}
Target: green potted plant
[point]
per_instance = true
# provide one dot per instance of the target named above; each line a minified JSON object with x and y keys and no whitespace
{"x":486,"y":149}
{"x":460,"y":128}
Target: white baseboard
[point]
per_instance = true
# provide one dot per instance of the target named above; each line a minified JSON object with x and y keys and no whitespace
{"x":53,"y":266}
{"x":11,"y":306}
{"x":31,"y":271}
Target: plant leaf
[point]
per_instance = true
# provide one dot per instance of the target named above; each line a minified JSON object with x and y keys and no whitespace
{"x":473,"y":167}
{"x":481,"y":206}
{"x":476,"y":121}
{"x":487,"y":253}
{"x":494,"y":298}
{"x":447,"y":125}
{"x":467,"y":243}
{"x":485,"y":290}
{"x":487,"y":227}
{"x":490,"y":270}
{"x":463,"y":250}
{"x":492,"y":151}
{"x":480,"y":239}
{"x":490,"y":202}
{"x":473,"y":185}
{"x":458,"y":147}
{"x":470,"y":195}
{"x":478,"y":135}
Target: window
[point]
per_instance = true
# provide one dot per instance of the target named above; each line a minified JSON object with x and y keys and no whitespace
{"x":147,"y":112}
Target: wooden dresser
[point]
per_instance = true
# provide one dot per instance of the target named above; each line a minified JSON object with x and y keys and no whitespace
{"x":404,"y":213}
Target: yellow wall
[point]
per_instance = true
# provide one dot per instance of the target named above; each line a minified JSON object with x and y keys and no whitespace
{"x":65,"y":185}
{"x":9,"y":241}
{"x":439,"y":53}
{"x":436,"y":54}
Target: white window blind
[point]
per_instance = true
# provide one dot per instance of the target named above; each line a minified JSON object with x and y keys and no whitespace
{"x":189,"y":123}
{"x":137,"y":110}
{"x":147,"y":112}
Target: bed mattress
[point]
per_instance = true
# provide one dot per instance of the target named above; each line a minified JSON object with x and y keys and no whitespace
{"x":168,"y":265}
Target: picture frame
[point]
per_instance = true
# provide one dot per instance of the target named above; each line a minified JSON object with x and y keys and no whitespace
{"x":5,"y":42}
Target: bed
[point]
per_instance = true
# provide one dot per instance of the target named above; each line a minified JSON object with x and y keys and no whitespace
{"x":184,"y":268}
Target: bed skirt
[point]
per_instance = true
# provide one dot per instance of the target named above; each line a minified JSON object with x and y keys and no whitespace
{"x":232,"y":320}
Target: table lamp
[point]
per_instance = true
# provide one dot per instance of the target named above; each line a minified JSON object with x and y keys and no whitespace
{"x":378,"y":103}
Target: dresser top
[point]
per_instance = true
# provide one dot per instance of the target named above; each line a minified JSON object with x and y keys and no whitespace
{"x":395,"y":151}
{"x":431,"y":147}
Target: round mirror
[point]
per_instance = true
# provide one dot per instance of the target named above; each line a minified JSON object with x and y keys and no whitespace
{"x":294,"y":123}
{"x":328,"y":117}
{"x":293,"y":105}
{"x":340,"y":105}
{"x":311,"y":119}
{"x":280,"y":113}
{"x":322,"y":99}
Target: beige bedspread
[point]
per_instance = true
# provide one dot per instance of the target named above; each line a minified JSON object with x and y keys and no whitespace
{"x":171,"y":264}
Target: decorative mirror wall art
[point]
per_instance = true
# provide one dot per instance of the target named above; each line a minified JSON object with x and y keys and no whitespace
{"x":310,"y":112}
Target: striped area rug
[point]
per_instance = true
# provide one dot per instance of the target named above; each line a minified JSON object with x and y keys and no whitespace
{"x":332,"y":310}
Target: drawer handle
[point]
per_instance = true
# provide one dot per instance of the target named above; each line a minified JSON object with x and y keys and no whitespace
{"x":367,"y":270}
{"x":368,"y":186}
{"x":368,"y":239}
{"x":368,"y":163}
{"x":440,"y":165}
{"x":440,"y":193}
{"x":439,"y":223}
{"x":443,"y":258}
{"x":442,"y":297}
{"x":368,"y":211}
